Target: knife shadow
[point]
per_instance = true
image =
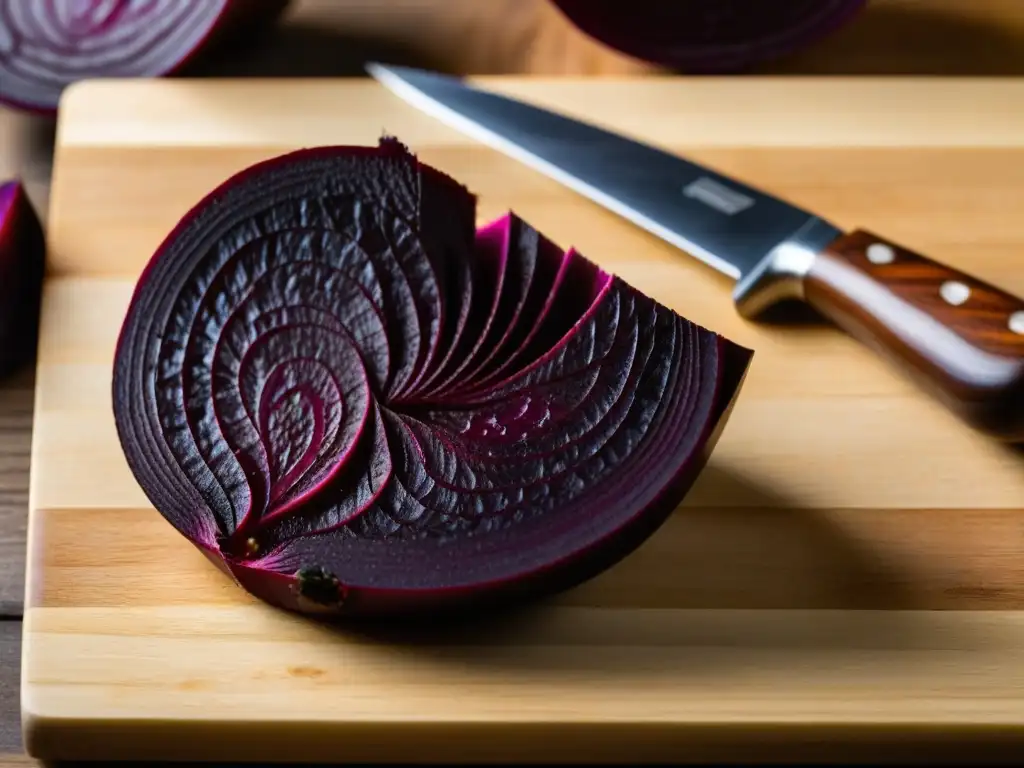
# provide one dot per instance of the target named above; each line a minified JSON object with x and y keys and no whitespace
{"x":761,"y":576}
{"x":790,"y":313}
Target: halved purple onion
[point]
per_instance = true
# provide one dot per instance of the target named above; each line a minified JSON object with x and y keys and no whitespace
{"x":45,"y":45}
{"x":22,"y":260}
{"x":705,"y":36}
{"x":355,"y":403}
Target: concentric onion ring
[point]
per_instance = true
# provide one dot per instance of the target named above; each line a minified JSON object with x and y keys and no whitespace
{"x":352,"y":401}
{"x":45,"y":45}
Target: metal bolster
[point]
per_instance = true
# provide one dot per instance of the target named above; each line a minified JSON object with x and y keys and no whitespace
{"x":780,"y":275}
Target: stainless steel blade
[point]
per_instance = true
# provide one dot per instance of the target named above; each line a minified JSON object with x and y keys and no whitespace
{"x":730,"y":225}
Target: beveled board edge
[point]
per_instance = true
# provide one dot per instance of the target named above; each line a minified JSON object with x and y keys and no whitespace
{"x":758,"y":111}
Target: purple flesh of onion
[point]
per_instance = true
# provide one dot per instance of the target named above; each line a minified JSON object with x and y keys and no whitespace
{"x":707,"y":36}
{"x":354,"y":402}
{"x":22,"y":259}
{"x":45,"y":45}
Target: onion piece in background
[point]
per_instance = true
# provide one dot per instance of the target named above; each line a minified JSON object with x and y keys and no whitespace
{"x":45,"y":45}
{"x":708,"y":36}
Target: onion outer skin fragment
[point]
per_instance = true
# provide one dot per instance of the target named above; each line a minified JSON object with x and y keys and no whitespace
{"x":387,"y":486}
{"x":22,"y":263}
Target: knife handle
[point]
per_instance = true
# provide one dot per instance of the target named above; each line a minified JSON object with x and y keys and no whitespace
{"x":957,"y":336}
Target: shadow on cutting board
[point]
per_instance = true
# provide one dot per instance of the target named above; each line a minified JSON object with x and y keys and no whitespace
{"x":727,"y":577}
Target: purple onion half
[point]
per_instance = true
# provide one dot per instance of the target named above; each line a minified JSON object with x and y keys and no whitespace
{"x":707,"y":36}
{"x":45,"y":45}
{"x":356,"y":403}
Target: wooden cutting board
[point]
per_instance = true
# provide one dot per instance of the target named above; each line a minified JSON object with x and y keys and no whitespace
{"x":847,"y":574}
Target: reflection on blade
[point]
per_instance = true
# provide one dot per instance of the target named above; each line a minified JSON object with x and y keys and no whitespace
{"x":719,"y":220}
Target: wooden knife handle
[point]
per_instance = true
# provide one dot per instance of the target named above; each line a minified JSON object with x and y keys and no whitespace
{"x":955,"y":335}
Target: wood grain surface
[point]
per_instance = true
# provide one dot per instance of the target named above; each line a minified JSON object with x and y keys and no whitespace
{"x":15,"y":436}
{"x":847,"y":569}
{"x":10,"y":695}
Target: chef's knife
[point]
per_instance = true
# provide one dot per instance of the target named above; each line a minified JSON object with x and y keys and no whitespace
{"x":960,"y":338}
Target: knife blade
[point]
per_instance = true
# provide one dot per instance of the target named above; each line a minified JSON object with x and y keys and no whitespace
{"x":958,"y":337}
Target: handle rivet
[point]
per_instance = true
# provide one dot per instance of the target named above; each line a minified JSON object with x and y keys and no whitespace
{"x":1016,"y":324}
{"x":955,"y":293}
{"x":880,"y":253}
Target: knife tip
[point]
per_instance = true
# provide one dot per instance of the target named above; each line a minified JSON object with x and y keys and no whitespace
{"x":391,"y":72}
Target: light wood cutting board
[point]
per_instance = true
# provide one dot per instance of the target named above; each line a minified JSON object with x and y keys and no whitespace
{"x":847,"y":574}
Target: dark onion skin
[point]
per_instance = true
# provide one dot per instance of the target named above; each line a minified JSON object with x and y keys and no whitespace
{"x":356,"y":404}
{"x":22,"y":262}
{"x":45,"y":45}
{"x":709,"y":36}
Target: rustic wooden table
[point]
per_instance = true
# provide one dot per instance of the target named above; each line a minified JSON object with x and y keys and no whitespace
{"x":334,"y":37}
